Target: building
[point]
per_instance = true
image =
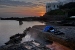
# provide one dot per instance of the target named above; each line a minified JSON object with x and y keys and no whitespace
{"x":56,"y":17}
{"x":53,"y":6}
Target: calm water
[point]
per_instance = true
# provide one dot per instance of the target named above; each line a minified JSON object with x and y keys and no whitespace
{"x":9,"y":28}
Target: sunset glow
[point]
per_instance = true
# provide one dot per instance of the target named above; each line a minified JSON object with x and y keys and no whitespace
{"x":34,"y":11}
{"x":42,"y":13}
{"x":22,"y":8}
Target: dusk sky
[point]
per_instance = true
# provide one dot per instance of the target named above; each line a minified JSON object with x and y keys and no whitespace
{"x":23,"y":8}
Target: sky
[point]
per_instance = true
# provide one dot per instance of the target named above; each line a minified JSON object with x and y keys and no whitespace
{"x":23,"y":8}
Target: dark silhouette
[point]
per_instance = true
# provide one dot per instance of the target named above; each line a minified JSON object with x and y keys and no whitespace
{"x":17,"y":38}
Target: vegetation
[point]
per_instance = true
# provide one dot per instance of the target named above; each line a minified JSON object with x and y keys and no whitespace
{"x":71,"y":12}
{"x":68,"y":6}
{"x":25,"y":18}
{"x":68,"y":9}
{"x":56,"y":12}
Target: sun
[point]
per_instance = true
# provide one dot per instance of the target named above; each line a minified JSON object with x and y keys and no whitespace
{"x":42,"y":13}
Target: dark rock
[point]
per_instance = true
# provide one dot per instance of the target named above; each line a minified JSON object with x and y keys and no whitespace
{"x":17,"y":38}
{"x":29,"y":45}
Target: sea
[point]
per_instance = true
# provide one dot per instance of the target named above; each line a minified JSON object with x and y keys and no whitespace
{"x":9,"y":28}
{"x":12,"y":27}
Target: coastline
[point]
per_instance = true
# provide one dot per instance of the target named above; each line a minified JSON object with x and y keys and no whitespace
{"x":27,"y":45}
{"x":66,"y":40}
{"x":33,"y":33}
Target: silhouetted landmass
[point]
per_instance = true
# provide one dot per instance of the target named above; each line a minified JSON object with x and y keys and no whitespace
{"x":63,"y":14}
{"x":66,"y":9}
{"x":68,"y":6}
{"x":26,"y":19}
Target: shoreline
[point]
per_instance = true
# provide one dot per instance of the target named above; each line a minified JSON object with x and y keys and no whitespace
{"x":68,"y":39}
{"x":41,"y":27}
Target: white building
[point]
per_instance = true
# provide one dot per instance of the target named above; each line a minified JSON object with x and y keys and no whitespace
{"x":53,"y":6}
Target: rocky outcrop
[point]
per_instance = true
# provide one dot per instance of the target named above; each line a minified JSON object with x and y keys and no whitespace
{"x":17,"y":38}
{"x":66,"y":38}
{"x":29,"y":45}
{"x":15,"y":43}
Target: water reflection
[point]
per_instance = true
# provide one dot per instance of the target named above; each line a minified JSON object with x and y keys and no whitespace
{"x":20,"y":22}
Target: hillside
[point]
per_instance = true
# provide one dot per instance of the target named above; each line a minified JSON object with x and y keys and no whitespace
{"x":68,"y":9}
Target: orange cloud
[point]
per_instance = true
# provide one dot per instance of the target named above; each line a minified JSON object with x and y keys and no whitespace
{"x":26,"y":11}
{"x":35,"y":11}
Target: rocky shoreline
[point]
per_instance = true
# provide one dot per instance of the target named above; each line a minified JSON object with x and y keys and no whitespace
{"x":15,"y":43}
{"x":67,"y":39}
{"x":35,"y":44}
{"x":29,"y":45}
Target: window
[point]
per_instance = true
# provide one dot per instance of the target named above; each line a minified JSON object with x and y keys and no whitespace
{"x":48,"y":7}
{"x":57,"y":6}
{"x":54,"y":6}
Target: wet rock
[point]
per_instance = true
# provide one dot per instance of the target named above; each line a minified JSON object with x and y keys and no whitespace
{"x":59,"y":33}
{"x":17,"y":38}
{"x":29,"y":45}
{"x":34,"y":45}
{"x":13,"y":47}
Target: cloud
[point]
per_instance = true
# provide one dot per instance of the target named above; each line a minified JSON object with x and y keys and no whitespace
{"x":2,"y":6}
{"x":66,"y":0}
{"x":17,"y":3}
{"x":11,"y":14}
